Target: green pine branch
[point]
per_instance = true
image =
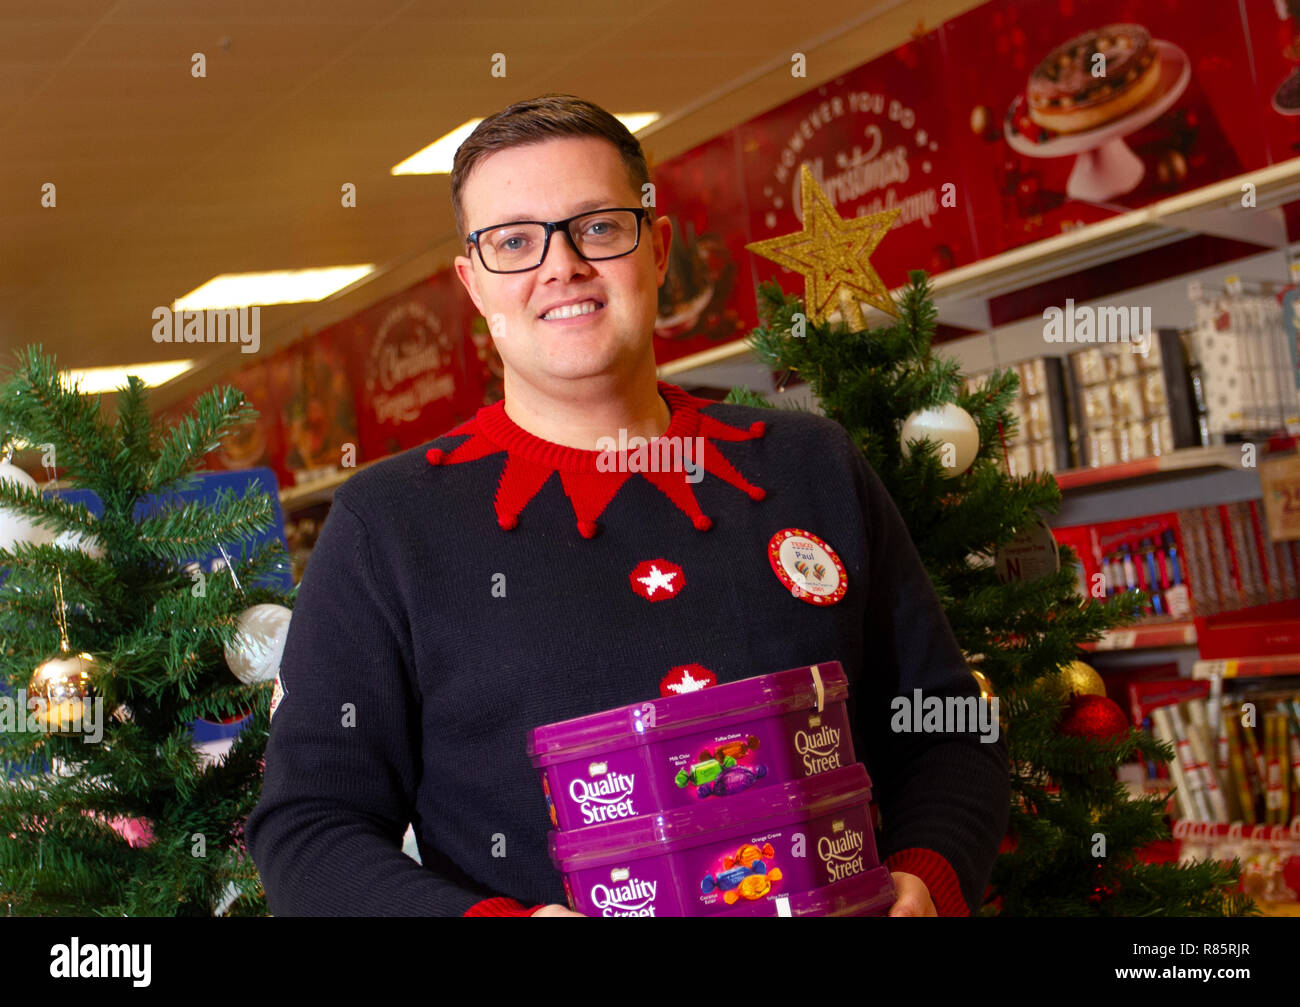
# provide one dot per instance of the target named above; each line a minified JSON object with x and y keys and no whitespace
{"x":35,"y":406}
{"x":136,"y":432}
{"x":217,"y":413}
{"x":196,"y":528}
{"x":49,"y":512}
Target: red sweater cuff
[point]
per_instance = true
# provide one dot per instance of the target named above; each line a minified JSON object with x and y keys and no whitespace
{"x":500,"y":906}
{"x":938,"y":875}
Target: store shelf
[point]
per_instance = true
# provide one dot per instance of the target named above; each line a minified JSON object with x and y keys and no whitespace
{"x":1181,"y":462}
{"x":1249,"y":667}
{"x":316,"y":491}
{"x":1169,"y":634}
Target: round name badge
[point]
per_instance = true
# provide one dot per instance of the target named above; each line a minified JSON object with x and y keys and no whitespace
{"x":807,"y":566}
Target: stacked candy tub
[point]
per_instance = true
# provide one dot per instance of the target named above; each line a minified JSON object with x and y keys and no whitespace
{"x":743,"y":799}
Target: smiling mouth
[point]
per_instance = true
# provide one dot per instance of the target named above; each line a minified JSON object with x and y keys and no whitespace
{"x":588,"y":307}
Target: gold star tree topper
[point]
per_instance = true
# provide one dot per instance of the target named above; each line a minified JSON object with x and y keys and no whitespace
{"x":833,"y":254}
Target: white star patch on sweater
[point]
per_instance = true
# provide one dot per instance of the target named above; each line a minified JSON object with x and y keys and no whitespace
{"x":657,"y":579}
{"x":687,"y":684}
{"x":686,"y":678}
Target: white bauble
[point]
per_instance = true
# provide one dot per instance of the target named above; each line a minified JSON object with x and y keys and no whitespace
{"x":76,"y":540}
{"x":254,"y":654}
{"x":945,"y":425}
{"x":15,"y":527}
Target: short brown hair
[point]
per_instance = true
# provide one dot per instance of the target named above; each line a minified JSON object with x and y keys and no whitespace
{"x":533,"y":121}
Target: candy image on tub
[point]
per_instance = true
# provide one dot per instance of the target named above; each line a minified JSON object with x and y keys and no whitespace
{"x":719,"y":773}
{"x":709,"y":746}
{"x":749,"y":874}
{"x":804,"y":847}
{"x":732,"y":781}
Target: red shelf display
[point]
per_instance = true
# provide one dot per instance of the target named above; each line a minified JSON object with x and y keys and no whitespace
{"x":1183,"y":461}
{"x":1169,"y":634}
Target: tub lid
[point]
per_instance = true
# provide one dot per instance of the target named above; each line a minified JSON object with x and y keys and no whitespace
{"x":660,"y":832}
{"x":662,"y":718}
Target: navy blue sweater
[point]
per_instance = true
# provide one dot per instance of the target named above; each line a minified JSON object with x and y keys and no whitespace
{"x":460,"y":595}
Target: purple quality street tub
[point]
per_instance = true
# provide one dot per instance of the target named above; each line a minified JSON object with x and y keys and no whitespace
{"x":700,"y":747}
{"x":765,"y":853}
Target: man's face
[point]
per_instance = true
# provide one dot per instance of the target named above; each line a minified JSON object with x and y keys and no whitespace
{"x":553,"y":180}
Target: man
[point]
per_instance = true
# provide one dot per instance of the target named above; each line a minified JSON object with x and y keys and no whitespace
{"x":462,"y":595}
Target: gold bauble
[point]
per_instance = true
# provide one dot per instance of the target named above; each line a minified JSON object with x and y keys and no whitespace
{"x":986,"y":690}
{"x":63,"y":682}
{"x":1076,"y":679}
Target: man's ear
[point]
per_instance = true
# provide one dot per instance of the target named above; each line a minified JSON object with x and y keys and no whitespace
{"x":661,"y":238}
{"x":465,"y":270}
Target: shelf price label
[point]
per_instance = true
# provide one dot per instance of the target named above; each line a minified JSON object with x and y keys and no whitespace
{"x":1280,"y":480}
{"x":1213,"y":669}
{"x":1118,"y":639}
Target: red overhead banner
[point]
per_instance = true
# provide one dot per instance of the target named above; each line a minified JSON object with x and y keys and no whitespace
{"x":1014,"y":122}
{"x":410,"y":365}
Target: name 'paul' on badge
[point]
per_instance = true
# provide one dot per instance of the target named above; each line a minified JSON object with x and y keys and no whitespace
{"x":807,"y":566}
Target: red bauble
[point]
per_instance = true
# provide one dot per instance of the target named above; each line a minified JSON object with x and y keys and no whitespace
{"x":1094,"y":717}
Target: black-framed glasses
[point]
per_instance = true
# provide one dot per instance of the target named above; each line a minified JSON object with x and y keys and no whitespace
{"x":521,"y":245}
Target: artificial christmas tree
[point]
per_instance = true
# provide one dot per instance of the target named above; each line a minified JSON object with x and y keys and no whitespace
{"x":107,"y":807}
{"x":1074,"y":828}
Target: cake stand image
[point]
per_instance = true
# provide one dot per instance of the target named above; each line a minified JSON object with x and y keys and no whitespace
{"x":1105,"y":166}
{"x":1286,"y":99}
